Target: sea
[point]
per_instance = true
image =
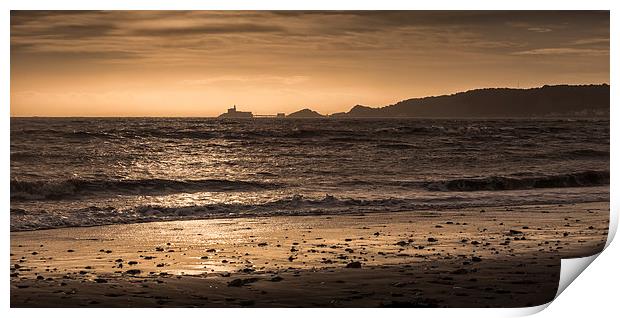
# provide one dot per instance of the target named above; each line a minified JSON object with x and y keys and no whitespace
{"x":71,"y":172}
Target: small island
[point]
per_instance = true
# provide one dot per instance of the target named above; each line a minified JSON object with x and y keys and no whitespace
{"x":234,"y":113}
{"x":305,"y":113}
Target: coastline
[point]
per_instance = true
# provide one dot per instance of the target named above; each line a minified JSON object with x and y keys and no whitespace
{"x":473,"y":257}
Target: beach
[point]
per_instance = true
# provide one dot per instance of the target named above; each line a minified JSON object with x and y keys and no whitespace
{"x":504,"y":256}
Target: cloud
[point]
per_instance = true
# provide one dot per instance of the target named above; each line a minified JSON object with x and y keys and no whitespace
{"x":286,"y":80}
{"x":539,"y":29}
{"x":209,"y":29}
{"x":67,"y":31}
{"x":275,"y":37}
{"x":592,"y":41}
{"x":564,"y":51}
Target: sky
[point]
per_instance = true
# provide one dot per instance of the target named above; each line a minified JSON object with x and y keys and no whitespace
{"x":199,"y":63}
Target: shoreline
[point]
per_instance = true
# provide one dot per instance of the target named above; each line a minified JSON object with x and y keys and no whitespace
{"x":503,"y":256}
{"x":321,"y":214}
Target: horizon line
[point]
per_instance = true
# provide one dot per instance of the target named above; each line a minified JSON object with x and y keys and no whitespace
{"x":326,"y":115}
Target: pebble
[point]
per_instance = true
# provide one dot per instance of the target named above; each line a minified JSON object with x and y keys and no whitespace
{"x":354,"y":265}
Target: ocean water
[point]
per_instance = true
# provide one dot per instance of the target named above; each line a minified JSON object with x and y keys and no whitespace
{"x":89,"y":171}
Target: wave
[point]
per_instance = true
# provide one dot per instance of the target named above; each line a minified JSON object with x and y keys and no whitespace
{"x":585,"y":153}
{"x":142,"y":133}
{"x":499,"y":183}
{"x":71,"y":188}
{"x":296,"y":133}
{"x":80,"y":134}
{"x":76,"y":188}
{"x":93,"y":216}
{"x":22,"y":220}
{"x":475,"y":129}
{"x":396,"y":146}
{"x":199,"y":134}
{"x":573,"y":154}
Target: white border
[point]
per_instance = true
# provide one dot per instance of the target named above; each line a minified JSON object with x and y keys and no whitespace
{"x":596,"y":292}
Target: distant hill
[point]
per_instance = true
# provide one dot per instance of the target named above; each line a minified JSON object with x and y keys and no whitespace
{"x":557,"y":100}
{"x":305,"y":113}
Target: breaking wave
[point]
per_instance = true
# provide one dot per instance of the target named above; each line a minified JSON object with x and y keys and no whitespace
{"x":71,"y":188}
{"x":24,"y":220}
{"x":498,"y":183}
{"x":585,"y":153}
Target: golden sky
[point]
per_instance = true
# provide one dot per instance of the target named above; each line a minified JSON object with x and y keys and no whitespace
{"x":198,"y":63}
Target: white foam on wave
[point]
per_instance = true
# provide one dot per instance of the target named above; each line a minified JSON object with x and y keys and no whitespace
{"x":22,"y":219}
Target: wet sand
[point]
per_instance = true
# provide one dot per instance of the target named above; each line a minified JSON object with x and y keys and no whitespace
{"x":483,"y":257}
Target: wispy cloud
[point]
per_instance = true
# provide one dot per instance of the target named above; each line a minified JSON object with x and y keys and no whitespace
{"x":540,"y":29}
{"x":564,"y":51}
{"x":258,"y":79}
{"x":604,"y":41}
